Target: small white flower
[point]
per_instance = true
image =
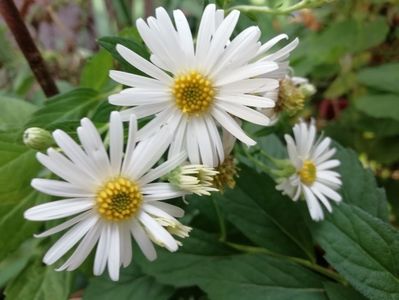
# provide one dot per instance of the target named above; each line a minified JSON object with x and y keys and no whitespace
{"x":197,"y":89}
{"x":111,"y":196}
{"x":313,"y":178}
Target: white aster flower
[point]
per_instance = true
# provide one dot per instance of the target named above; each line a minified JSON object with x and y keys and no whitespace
{"x":196,"y":89}
{"x":313,"y":178}
{"x":110,"y":196}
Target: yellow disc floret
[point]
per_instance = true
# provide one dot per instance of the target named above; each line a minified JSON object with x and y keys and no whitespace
{"x":193,"y":93}
{"x":308,"y":172}
{"x":118,"y":199}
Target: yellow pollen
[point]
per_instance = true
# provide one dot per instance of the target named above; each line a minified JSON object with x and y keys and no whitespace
{"x":118,"y":199}
{"x":193,"y":93}
{"x":308,"y":172}
{"x":228,"y":171}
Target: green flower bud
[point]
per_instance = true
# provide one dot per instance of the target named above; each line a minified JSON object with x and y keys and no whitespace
{"x":38,"y":138}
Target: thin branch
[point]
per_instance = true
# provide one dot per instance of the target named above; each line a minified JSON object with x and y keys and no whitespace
{"x":148,"y":8}
{"x":25,"y":42}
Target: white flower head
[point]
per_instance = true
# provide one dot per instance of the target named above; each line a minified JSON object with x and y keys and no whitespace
{"x":110,"y":197}
{"x":313,"y":178}
{"x":196,"y":89}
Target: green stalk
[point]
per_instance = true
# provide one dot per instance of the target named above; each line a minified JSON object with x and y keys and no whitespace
{"x":303,"y":262}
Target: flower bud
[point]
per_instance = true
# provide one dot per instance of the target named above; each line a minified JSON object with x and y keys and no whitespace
{"x":196,"y":179}
{"x":37,"y":138}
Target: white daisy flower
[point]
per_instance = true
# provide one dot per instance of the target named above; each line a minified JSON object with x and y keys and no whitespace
{"x":196,"y":89}
{"x":313,"y":178}
{"x":110,"y":196}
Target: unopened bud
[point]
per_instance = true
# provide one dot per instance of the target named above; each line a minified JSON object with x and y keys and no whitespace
{"x":38,"y":138}
{"x":196,"y":179}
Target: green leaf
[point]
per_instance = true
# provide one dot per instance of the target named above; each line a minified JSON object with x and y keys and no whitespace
{"x":338,"y":292}
{"x":363,"y":249}
{"x":17,"y":261}
{"x":109,"y":43}
{"x":38,"y":282}
{"x":265,"y":216}
{"x":95,"y":72}
{"x":133,"y":284}
{"x":70,"y":106}
{"x":359,"y":186}
{"x":384,"y":77}
{"x":379,"y":106}
{"x":17,"y":167}
{"x":204,"y":262}
{"x":14,"y":113}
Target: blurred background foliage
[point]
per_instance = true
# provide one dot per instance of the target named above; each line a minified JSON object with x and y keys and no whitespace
{"x":349,"y":49}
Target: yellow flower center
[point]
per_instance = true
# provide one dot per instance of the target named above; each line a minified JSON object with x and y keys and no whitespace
{"x":118,"y":199}
{"x":308,"y":172}
{"x":193,"y":93}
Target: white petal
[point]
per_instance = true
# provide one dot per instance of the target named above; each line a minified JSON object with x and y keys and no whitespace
{"x":228,"y":122}
{"x":65,"y":224}
{"x":143,"y":110}
{"x":142,"y":64}
{"x":158,"y":231}
{"x":185,"y":36}
{"x":322,"y":198}
{"x":315,"y":210}
{"x":59,"y":188}
{"x":102,"y":253}
{"x":134,"y":80}
{"x":247,"y":71}
{"x":205,"y":32}
{"x":192,"y":144}
{"x":58,"y":209}
{"x":163,"y":169}
{"x":114,"y":253}
{"x":116,"y":142}
{"x":69,"y":239}
{"x":270,"y":43}
{"x":244,"y":113}
{"x":83,"y":250}
{"x":329,"y":192}
{"x":137,"y":96}
{"x":247,"y":100}
{"x":329,"y":164}
{"x":131,"y":143}
{"x":204,"y":143}
{"x":282,"y":53}
{"x":252,"y":86}
{"x":172,"y":210}
{"x":178,"y":143}
{"x":143,"y":240}
{"x":215,"y":138}
{"x":126,"y":245}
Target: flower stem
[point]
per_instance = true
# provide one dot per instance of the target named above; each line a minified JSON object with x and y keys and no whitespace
{"x":25,"y":42}
{"x":222,"y":224}
{"x":279,"y":11}
{"x":303,"y":262}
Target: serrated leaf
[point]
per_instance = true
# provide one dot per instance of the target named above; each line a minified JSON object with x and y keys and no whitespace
{"x":265,"y":216}
{"x":109,"y":43}
{"x":70,"y":106}
{"x":133,"y":284}
{"x":205,"y":262}
{"x":363,"y":249}
{"x":38,"y":282}
{"x":336,"y":291}
{"x":359,"y":185}
{"x":384,"y":77}
{"x":379,"y":106}
{"x":95,"y":72}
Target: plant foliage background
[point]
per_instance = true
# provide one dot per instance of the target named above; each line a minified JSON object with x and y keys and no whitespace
{"x":247,"y":243}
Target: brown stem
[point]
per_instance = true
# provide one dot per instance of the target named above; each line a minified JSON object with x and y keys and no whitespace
{"x":148,"y":8}
{"x":25,"y":42}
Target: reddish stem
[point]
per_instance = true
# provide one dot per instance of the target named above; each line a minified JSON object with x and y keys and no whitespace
{"x":25,"y":42}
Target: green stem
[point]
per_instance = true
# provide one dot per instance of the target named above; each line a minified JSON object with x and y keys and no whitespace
{"x":279,"y":11}
{"x":222,"y":224}
{"x":303,"y":262}
{"x":258,"y":163}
